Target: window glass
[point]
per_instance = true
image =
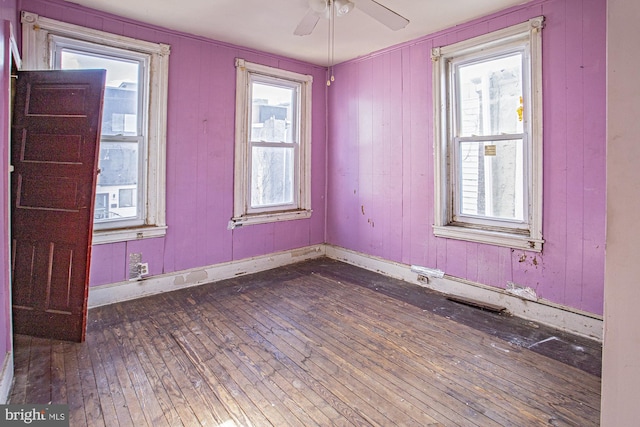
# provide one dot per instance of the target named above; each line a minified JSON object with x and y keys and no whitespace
{"x":272,"y":176}
{"x":121,"y":98}
{"x":101,"y":208}
{"x":491,"y":183}
{"x":272,"y":113}
{"x":490,"y":96}
{"x":490,"y":173}
{"x":119,"y":161}
{"x":126,"y":198}
{"x":273,"y":131}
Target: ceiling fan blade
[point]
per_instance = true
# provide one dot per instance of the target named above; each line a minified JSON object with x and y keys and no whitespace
{"x":380,"y":13}
{"x":308,"y":23}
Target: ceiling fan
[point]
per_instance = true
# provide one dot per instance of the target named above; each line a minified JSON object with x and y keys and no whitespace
{"x":320,"y":8}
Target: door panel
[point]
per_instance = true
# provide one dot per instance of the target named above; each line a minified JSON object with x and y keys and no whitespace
{"x":55,"y":136}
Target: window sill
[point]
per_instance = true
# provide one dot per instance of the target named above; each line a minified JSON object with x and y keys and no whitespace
{"x":497,"y":238}
{"x":101,"y":237}
{"x":268,"y":217}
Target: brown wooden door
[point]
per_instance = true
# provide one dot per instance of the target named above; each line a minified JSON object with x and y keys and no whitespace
{"x":54,"y":143}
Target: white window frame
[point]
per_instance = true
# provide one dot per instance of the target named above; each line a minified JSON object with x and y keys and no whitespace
{"x":37,"y":55}
{"x":57,"y":44}
{"x":243,"y":214}
{"x":527,"y":236}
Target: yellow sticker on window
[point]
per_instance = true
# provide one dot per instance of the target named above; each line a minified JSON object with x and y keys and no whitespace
{"x":489,"y":150}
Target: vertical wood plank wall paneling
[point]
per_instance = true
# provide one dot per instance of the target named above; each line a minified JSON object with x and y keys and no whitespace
{"x":379,"y":168}
{"x":200,"y":150}
{"x":365,"y":154}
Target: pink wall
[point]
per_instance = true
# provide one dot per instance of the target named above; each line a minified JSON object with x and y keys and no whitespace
{"x":200,"y":155}
{"x":380,"y":164}
{"x":380,"y":194}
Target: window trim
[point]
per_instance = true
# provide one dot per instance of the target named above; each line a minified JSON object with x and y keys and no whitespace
{"x":528,"y":32}
{"x":242,"y":214}
{"x":57,"y":44}
{"x":36,"y":56}
{"x":296,"y":86}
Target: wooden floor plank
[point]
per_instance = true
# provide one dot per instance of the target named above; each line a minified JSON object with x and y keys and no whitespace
{"x":258,"y":358}
{"x":511,"y":367}
{"x":287,"y":392}
{"x":206,"y":357}
{"x":579,"y":352}
{"x":77,"y":416}
{"x":192,"y":384}
{"x":220,"y":381}
{"x":390,"y":368}
{"x":152,"y":411}
{"x":166,"y":380}
{"x":365,"y":348}
{"x":152,"y":373}
{"x":456,"y":331}
{"x":332,"y":368}
{"x":123,"y":416}
{"x":123,"y":372}
{"x":39,"y":374}
{"x":239,"y":361}
{"x":291,"y":360}
{"x":313,"y":344}
{"x":536,"y":372}
{"x":88,"y":385}
{"x":21,"y":351}
{"x":107,"y":406}
{"x":58,"y":382}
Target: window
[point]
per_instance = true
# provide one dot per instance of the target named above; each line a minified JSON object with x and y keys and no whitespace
{"x":488,"y":140}
{"x":131,"y":184}
{"x":273,"y":145}
{"x":121,"y":139}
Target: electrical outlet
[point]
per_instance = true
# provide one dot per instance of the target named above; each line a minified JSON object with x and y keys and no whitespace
{"x":143,"y":269}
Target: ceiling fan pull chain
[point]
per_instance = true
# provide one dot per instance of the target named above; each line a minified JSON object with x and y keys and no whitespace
{"x":331,"y":44}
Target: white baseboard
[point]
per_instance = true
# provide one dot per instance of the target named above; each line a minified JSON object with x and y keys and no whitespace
{"x":541,"y":311}
{"x":124,"y":291}
{"x":6,"y":378}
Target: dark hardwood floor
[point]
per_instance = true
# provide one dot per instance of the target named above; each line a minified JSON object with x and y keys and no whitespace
{"x":317,"y":343}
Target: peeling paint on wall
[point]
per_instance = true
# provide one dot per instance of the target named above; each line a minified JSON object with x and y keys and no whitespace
{"x":522,"y":291}
{"x":193,"y":277}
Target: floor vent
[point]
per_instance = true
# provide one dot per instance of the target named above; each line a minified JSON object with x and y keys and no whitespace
{"x":477,"y":304}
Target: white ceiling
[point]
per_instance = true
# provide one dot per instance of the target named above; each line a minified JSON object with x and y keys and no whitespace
{"x":268,"y":25}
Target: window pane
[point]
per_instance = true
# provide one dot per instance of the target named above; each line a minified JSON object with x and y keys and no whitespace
{"x":120,"y":111}
{"x":101,"y":210}
{"x":272,"y":113}
{"x":126,"y":198}
{"x":118,"y":165}
{"x":272,"y":176}
{"x":490,"y":96}
{"x":491,"y":179}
